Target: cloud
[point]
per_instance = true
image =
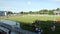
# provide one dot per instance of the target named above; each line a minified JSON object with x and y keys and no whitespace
{"x":29,"y":3}
{"x":5,"y":8}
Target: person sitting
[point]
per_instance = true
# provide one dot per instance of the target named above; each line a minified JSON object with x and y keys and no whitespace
{"x":40,"y":31}
{"x":36,"y":29}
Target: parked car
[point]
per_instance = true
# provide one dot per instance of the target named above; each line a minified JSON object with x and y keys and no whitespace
{"x":9,"y":26}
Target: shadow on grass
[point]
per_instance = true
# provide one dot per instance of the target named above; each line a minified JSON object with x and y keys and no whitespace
{"x":45,"y":25}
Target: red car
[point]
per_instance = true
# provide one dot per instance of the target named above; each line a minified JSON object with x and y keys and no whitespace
{"x":57,"y":20}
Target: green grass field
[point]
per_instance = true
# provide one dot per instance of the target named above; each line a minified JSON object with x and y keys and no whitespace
{"x":30,"y":19}
{"x":26,"y":20}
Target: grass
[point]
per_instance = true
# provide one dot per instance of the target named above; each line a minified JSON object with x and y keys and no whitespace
{"x":30,"y":19}
{"x":26,"y":21}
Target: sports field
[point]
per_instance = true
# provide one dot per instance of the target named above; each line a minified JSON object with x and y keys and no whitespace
{"x":30,"y":19}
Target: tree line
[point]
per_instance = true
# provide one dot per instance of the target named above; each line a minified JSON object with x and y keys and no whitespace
{"x":43,"y":11}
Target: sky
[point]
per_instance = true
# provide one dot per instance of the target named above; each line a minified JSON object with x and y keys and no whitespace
{"x":28,"y":5}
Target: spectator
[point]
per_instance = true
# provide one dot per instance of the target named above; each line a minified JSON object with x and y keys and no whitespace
{"x":40,"y":31}
{"x":36,"y":29}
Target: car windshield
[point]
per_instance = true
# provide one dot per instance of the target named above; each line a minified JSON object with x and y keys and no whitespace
{"x":4,"y":29}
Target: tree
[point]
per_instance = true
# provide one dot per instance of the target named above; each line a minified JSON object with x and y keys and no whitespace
{"x":9,"y":12}
{"x":21,"y":12}
{"x":25,"y":13}
{"x":51,"y":12}
{"x":30,"y":12}
{"x":44,"y":11}
{"x":58,"y":9}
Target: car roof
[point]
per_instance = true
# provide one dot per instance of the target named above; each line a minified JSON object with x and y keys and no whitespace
{"x":9,"y":22}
